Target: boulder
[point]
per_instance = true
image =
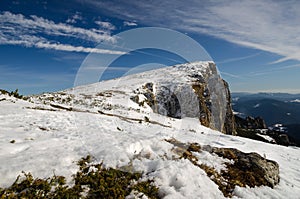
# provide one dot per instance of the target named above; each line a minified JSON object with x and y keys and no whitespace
{"x":250,"y":168}
{"x":243,"y":169}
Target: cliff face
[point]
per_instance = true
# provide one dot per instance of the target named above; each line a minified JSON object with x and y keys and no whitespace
{"x":192,"y":90}
{"x":229,"y":123}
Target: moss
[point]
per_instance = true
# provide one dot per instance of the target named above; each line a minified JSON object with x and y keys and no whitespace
{"x":147,"y":188}
{"x":91,"y":181}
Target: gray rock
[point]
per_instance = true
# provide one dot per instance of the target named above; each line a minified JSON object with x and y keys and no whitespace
{"x":261,"y":170}
{"x":201,"y":94}
{"x":245,"y":169}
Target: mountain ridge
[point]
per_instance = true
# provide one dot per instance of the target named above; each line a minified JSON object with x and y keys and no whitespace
{"x":191,"y":90}
{"x":50,"y":132}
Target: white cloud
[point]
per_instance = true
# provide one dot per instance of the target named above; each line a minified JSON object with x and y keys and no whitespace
{"x":105,"y":25}
{"x":128,"y":23}
{"x":76,"y":17}
{"x":16,"y":29}
{"x":269,"y":25}
{"x":66,"y":47}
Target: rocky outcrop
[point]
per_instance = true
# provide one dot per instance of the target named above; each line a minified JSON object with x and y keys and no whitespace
{"x":250,"y":122}
{"x":229,"y":123}
{"x":251,"y":127}
{"x":280,"y":138}
{"x":251,"y":168}
{"x":243,"y":169}
{"x":191,"y":90}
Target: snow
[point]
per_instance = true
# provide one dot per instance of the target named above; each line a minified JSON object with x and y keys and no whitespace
{"x":235,"y":99}
{"x":256,"y":106}
{"x":50,"y":140}
{"x":266,"y":137}
{"x":296,"y":101}
{"x":71,"y":135}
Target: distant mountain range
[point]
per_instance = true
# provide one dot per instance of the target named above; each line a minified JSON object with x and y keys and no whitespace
{"x":274,"y":108}
{"x":275,"y":96}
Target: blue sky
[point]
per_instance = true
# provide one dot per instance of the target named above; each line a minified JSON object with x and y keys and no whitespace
{"x":256,"y":44}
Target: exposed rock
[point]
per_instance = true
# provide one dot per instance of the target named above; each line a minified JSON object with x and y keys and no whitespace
{"x":250,"y":122}
{"x":200,"y":93}
{"x":250,"y":168}
{"x":280,"y":138}
{"x":284,"y":139}
{"x":247,"y":169}
{"x":167,"y":103}
{"x":251,"y":127}
{"x":229,"y":124}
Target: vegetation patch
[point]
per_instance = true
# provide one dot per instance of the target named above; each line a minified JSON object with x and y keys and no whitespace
{"x":248,"y":169}
{"x":91,"y":181}
{"x":12,"y":93}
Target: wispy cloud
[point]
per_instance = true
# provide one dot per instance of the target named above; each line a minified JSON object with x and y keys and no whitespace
{"x":269,"y":25}
{"x":235,"y":59}
{"x":66,"y":47}
{"x":105,"y":25}
{"x":34,"y":31}
{"x":73,"y":19}
{"x":231,"y":75}
{"x":271,"y":71}
{"x":129,"y":23}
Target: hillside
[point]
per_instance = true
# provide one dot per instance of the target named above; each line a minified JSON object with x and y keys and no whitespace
{"x":274,"y":108}
{"x":273,"y":111}
{"x":135,"y":124}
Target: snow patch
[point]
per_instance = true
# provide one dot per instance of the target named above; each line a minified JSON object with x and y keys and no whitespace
{"x":256,"y":106}
{"x":296,"y":101}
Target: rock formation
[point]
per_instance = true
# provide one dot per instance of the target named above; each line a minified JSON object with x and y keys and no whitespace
{"x":250,"y":122}
{"x":244,"y":169}
{"x":194,"y":90}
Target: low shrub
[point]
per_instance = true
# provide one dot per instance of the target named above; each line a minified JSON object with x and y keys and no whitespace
{"x":91,"y":181}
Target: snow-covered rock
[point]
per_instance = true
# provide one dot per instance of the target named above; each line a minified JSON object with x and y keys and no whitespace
{"x":186,"y":90}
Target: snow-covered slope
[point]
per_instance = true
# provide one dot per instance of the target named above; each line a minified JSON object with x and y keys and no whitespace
{"x":50,"y":132}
